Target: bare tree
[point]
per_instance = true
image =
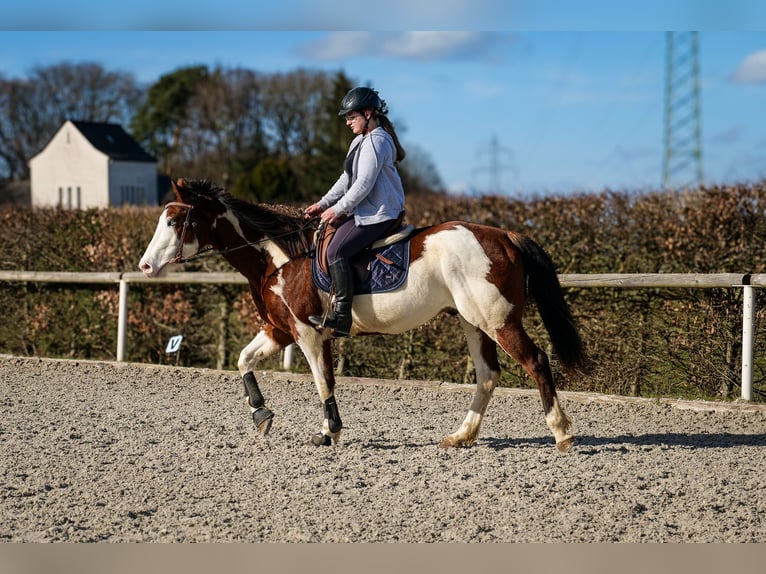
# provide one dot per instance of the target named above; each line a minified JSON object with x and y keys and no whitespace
{"x":294,"y":105}
{"x":87,"y":92}
{"x":222,"y":132}
{"x":22,"y":129}
{"x":33,"y":108}
{"x":419,"y":172}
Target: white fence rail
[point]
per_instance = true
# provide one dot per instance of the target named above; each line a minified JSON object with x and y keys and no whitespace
{"x":748,"y":283}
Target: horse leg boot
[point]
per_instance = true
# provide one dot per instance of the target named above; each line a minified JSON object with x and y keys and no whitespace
{"x":262,"y":416}
{"x":332,"y":421}
{"x":343,"y":284}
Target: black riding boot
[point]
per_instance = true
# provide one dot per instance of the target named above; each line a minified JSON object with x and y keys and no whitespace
{"x":339,"y":319}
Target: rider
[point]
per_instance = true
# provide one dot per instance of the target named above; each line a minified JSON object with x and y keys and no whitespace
{"x":367,"y":198}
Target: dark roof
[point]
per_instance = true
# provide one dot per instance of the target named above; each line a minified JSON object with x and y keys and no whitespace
{"x":113,"y":141}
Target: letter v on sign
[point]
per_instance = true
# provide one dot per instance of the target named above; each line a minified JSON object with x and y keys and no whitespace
{"x":174,"y":344}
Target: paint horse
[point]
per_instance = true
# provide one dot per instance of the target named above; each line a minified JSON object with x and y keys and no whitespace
{"x":482,"y":275}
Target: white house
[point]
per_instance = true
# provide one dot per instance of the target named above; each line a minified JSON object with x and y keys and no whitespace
{"x":89,"y":164}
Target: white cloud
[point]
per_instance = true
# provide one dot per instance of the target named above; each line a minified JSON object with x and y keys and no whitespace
{"x":433,"y":45}
{"x":340,"y":45}
{"x":426,"y":46}
{"x":752,"y":70}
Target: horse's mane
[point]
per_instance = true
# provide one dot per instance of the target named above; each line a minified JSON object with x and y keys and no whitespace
{"x":283,"y":224}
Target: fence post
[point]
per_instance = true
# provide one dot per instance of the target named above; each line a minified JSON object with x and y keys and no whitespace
{"x":122,"y":320}
{"x":748,"y":333}
{"x":287,"y":360}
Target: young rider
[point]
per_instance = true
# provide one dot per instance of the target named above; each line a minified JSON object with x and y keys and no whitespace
{"x":367,"y":198}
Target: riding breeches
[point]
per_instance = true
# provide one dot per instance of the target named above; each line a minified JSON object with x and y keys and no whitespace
{"x":350,"y":239}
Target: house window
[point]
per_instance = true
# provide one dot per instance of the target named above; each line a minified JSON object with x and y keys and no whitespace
{"x":132,"y":194}
{"x":70,"y":199}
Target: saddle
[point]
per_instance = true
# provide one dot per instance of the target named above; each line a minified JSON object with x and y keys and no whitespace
{"x":381,"y":267}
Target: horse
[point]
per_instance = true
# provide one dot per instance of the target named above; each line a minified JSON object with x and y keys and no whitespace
{"x":481,"y":274}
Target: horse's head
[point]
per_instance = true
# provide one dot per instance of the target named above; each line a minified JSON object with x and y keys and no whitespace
{"x":184,"y":226}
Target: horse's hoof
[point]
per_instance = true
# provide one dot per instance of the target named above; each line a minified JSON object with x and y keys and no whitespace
{"x":320,"y":439}
{"x":453,"y":441}
{"x":262,"y":418}
{"x":565,"y":444}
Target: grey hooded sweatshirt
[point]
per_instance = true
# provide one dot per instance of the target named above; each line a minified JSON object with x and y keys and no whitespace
{"x":372,"y":190}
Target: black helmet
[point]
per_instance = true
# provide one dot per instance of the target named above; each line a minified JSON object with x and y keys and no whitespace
{"x":360,"y":99}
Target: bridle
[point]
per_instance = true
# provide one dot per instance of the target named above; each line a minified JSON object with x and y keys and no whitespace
{"x":210,"y":250}
{"x":179,"y":258}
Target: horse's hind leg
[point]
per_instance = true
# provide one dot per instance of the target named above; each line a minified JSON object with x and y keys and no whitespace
{"x":518,"y":345}
{"x":266,"y":342}
{"x":484,"y":354}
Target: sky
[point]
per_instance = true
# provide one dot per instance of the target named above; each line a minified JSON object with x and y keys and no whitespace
{"x":507,"y":96}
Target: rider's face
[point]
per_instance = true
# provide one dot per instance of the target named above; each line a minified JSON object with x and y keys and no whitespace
{"x":355,"y":121}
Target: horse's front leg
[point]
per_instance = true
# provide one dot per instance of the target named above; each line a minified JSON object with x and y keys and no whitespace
{"x":317,"y":348}
{"x":267,"y":342}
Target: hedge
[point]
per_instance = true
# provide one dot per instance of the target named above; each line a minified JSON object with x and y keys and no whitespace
{"x":649,"y":342}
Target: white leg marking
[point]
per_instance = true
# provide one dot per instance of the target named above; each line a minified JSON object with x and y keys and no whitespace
{"x":558,"y":422}
{"x":260,"y":347}
{"x":486,"y":381}
{"x":471,"y":423}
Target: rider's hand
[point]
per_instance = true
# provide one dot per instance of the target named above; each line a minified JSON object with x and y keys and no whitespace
{"x":329,"y":215}
{"x":312,"y":211}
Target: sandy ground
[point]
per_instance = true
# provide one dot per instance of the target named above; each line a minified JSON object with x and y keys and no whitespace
{"x":96,"y":451}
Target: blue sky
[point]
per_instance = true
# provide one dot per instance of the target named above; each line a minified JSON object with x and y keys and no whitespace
{"x":569,"y":100}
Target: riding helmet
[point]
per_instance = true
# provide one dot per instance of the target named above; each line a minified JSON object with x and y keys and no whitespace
{"x":361,"y":98}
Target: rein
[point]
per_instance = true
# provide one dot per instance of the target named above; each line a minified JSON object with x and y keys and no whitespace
{"x":210,"y":250}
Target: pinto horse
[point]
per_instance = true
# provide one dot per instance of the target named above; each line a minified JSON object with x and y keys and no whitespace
{"x":481,"y":274}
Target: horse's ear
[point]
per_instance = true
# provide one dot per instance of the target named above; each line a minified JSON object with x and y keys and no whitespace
{"x":178,"y":185}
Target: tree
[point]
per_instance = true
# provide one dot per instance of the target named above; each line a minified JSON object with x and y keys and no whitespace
{"x":87,"y":92}
{"x":292,"y":103}
{"x":320,"y":162}
{"x":418,"y":171}
{"x":158,"y":123}
{"x":21,"y":126}
{"x":272,"y":180}
{"x":34,"y":108}
{"x":223,"y":134}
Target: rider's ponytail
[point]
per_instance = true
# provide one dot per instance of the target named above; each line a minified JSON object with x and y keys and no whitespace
{"x":386,"y":124}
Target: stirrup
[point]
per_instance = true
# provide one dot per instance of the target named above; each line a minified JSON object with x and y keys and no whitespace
{"x":332,"y":321}
{"x":317,"y":320}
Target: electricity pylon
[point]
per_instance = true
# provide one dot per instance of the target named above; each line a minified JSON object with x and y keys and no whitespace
{"x":495,"y":166}
{"x":682,"y":161}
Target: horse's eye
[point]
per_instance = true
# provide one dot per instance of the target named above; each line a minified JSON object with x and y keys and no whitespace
{"x":172,"y":223}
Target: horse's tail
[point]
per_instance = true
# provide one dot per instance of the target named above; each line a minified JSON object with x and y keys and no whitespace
{"x":544,"y":288}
